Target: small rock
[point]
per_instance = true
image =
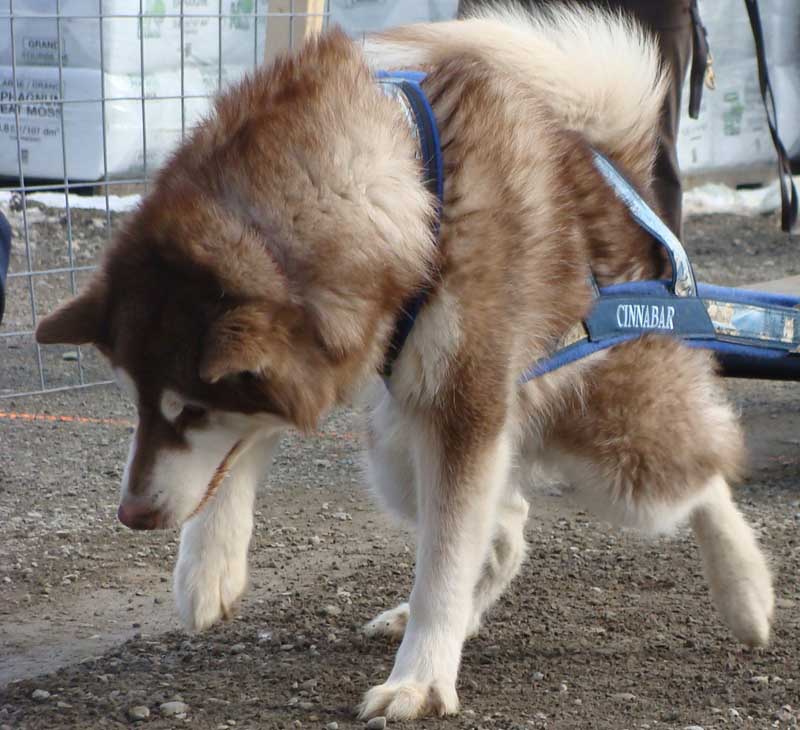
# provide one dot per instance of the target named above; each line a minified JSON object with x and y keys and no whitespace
{"x":538,"y":676}
{"x":332,"y":726}
{"x":138,"y":713}
{"x":693,"y":727}
{"x":760,"y":679}
{"x":733,"y":713}
{"x":343,"y":516}
{"x":238,"y":648}
{"x":70,"y":355}
{"x":563,"y":687}
{"x":784,"y":715}
{"x":168,"y":709}
{"x":40,"y":695}
{"x":331,"y":610}
{"x":624,"y":696}
{"x":322,"y":463}
{"x":377,"y":723}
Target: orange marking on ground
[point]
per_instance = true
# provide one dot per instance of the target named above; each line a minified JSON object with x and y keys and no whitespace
{"x":63,"y":419}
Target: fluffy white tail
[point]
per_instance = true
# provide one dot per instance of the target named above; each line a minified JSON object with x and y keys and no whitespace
{"x":599,"y":72}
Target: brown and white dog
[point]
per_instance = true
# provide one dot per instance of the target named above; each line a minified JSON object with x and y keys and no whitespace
{"x":257,"y":287}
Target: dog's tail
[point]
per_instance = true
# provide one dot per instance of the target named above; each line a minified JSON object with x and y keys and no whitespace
{"x":600,"y":72}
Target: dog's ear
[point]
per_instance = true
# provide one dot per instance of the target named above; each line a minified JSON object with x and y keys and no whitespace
{"x":79,"y":321}
{"x":276,"y":347}
{"x":236,"y":343}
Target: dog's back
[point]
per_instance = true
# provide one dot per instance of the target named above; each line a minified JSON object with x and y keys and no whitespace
{"x":599,"y":73}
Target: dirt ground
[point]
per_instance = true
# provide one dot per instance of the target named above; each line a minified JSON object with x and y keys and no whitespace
{"x":601,"y":630}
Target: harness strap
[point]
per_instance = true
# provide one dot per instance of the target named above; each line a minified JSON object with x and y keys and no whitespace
{"x":683,"y":283}
{"x":788,"y":190}
{"x":701,"y":72}
{"x":743,"y":327}
{"x":734,"y":322}
{"x":405,"y":87}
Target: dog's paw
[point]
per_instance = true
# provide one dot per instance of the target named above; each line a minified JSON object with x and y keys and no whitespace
{"x":391,"y":623}
{"x":747,"y":606}
{"x":208,"y":589}
{"x":408,"y":701}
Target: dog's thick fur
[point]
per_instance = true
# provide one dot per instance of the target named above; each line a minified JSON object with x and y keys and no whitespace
{"x":258,"y":284}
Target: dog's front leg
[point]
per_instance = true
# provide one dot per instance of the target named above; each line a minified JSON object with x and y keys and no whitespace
{"x":458,"y":490}
{"x":211,"y":572}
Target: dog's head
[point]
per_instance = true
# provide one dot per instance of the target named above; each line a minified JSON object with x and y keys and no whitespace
{"x":211,"y":363}
{"x":258,"y":282}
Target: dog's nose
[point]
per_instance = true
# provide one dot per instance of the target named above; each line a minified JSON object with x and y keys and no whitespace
{"x":138,"y":517}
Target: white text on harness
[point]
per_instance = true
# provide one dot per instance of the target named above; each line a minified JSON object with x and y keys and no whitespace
{"x":645,"y":316}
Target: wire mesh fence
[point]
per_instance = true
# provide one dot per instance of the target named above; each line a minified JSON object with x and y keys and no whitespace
{"x":93,"y":96}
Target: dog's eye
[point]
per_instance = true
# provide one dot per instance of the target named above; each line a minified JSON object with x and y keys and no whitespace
{"x":192,"y":412}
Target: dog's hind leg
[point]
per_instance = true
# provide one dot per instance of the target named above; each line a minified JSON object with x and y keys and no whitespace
{"x":462,"y":466}
{"x":391,"y":477}
{"x":211,"y":572}
{"x":735,"y":567}
{"x":651,"y":442}
{"x":506,"y":555}
{"x":505,"y":558}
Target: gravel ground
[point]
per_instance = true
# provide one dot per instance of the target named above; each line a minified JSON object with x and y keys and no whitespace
{"x":601,"y":630}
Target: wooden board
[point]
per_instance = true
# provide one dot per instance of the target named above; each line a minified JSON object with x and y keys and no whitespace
{"x":290,"y":31}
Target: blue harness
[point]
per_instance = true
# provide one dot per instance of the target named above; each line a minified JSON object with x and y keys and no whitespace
{"x":405,"y":87}
{"x":753,"y":334}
